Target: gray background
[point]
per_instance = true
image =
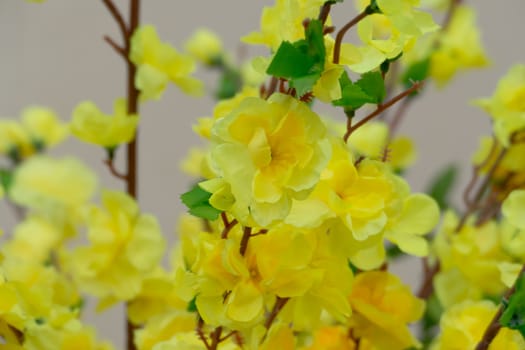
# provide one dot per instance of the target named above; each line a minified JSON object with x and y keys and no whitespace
{"x":53,"y":55}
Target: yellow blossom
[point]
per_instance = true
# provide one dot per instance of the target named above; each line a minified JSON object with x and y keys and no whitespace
{"x":284,"y":22}
{"x":159,"y":63}
{"x":43,"y":126}
{"x":268,"y":152}
{"x":332,"y":338}
{"x":513,"y":208}
{"x":459,"y":47}
{"x":163,"y":327}
{"x":125,"y":247}
{"x":506,"y":106}
{"x":58,"y":188}
{"x":463,"y":325}
{"x":90,"y":125}
{"x":15,"y":140}
{"x":205,"y":46}
{"x":383,"y":306}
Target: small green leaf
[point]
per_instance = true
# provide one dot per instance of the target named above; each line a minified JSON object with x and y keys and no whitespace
{"x":192,"y":305}
{"x":198,"y":202}
{"x":442,"y":185}
{"x":353,"y":97}
{"x":372,"y":8}
{"x":418,"y":71}
{"x":229,"y":84}
{"x":373,"y":85}
{"x":6,"y":179}
{"x":290,"y":62}
{"x":513,"y":316}
{"x":304,"y":84}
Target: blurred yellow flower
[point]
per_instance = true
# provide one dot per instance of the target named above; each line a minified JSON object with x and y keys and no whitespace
{"x":205,"y":46}
{"x":90,"y":125}
{"x":159,"y":63}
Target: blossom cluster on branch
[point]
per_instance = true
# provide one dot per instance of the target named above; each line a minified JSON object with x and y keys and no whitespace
{"x":294,"y":218}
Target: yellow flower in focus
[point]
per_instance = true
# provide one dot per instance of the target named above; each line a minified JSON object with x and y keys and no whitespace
{"x":382,"y":307}
{"x":459,"y":47}
{"x":284,"y":22}
{"x":507,"y":105}
{"x":159,"y":63}
{"x":90,"y":125}
{"x":268,"y":152}
{"x":463,"y":325}
{"x":385,"y":35}
{"x":125,"y":247}
{"x":205,"y":46}
{"x":332,"y":338}
{"x":54,"y":187}
{"x":43,"y":126}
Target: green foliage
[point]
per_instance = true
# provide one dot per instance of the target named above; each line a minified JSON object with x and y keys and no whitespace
{"x":6,"y":179}
{"x":418,"y":71}
{"x":431,"y":318}
{"x":513,"y":316}
{"x":192,"y":305}
{"x":198,"y":202}
{"x":230,"y":83}
{"x":369,"y":89}
{"x":372,"y":8}
{"x":301,"y":62}
{"x":442,"y":185}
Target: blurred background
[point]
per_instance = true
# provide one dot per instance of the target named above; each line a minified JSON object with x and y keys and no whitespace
{"x":53,"y":55}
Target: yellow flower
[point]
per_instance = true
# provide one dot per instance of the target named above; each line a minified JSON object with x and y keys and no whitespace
{"x":57,"y":188}
{"x":459,"y":47}
{"x":284,"y":22}
{"x":463,"y":325}
{"x":268,"y":152}
{"x":385,"y":35}
{"x":205,"y":46}
{"x":382,"y":308}
{"x":73,"y":335}
{"x":43,"y":126}
{"x":332,"y":338}
{"x":163,"y":327}
{"x":14,"y":140}
{"x":507,"y":105}
{"x":370,"y":203}
{"x":159,"y":63}
{"x":90,"y":125}
{"x":125,"y":247}
{"x":470,"y":260}
{"x":513,"y":208}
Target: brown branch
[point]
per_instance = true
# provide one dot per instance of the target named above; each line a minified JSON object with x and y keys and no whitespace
{"x":228,"y":225}
{"x":325,"y":11}
{"x":114,"y":171}
{"x":277,"y":307}
{"x":398,"y":117}
{"x":341,"y":33}
{"x":215,"y":338}
{"x":200,"y":333}
{"x":427,"y":287}
{"x":381,"y":108}
{"x":481,"y":190}
{"x":494,"y":326}
{"x":246,"y":234}
{"x":112,"y":8}
{"x":119,"y":49}
{"x":450,"y":13}
{"x":19,"y":335}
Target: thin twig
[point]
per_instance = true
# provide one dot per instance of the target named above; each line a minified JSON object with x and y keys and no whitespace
{"x":119,"y":49}
{"x":341,"y":33}
{"x":427,"y":287}
{"x":494,"y":326}
{"x":200,"y":333}
{"x":325,"y":11}
{"x":382,"y":107}
{"x":228,"y":225}
{"x":114,"y":171}
{"x":246,"y":234}
{"x":118,"y":17}
{"x":277,"y":307}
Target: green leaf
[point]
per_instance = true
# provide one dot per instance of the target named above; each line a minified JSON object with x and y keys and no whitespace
{"x":513,"y":316}
{"x":442,"y":185}
{"x":198,"y":202}
{"x":373,"y":85}
{"x":6,"y":179}
{"x":418,"y":71}
{"x":229,"y":84}
{"x":354,"y":97}
{"x":302,"y":62}
{"x":192,"y":305}
{"x":290,"y":62}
